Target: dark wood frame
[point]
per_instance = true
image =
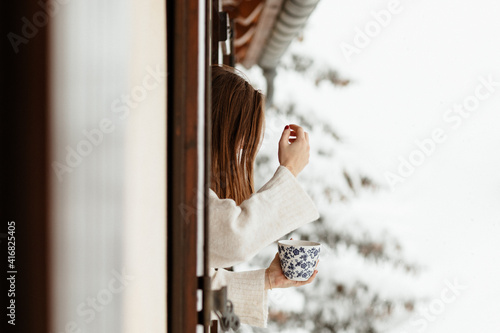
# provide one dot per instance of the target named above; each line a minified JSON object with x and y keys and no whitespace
{"x":207,"y":297}
{"x":24,"y":128}
{"x":24,"y":185}
{"x":182,"y":165}
{"x":182,"y":161}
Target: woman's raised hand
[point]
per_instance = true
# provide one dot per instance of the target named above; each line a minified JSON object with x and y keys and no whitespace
{"x":276,"y":279}
{"x":293,"y":152}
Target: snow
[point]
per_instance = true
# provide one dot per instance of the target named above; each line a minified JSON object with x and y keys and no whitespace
{"x":446,"y":214}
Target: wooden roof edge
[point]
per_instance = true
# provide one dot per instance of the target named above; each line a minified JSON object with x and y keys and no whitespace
{"x":263,"y":30}
{"x":290,"y":21}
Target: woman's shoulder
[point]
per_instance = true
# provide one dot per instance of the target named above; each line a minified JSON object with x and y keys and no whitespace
{"x":212,"y":195}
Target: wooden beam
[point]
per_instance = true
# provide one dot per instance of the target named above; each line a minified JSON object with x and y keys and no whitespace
{"x":215,"y":31}
{"x":207,"y":294}
{"x":24,"y":189}
{"x":182,"y":164}
{"x":264,"y":29}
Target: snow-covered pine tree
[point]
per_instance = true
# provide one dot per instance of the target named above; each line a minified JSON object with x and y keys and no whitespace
{"x":363,"y":279}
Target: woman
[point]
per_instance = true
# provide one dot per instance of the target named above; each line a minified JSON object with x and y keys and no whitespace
{"x":242,"y":221}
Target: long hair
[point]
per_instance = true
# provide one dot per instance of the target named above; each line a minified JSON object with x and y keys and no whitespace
{"x":237,"y":127}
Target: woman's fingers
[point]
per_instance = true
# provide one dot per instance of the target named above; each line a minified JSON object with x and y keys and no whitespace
{"x":293,"y":149}
{"x":299,"y":131}
{"x":291,"y":135}
{"x":311,"y":279}
{"x":288,"y":133}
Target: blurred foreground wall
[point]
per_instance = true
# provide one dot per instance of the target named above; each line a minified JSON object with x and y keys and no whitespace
{"x":108,"y":163}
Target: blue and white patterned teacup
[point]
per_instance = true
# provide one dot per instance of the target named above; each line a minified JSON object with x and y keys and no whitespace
{"x":298,"y":258}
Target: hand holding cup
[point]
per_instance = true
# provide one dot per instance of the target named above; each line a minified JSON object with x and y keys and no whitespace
{"x":281,"y":275}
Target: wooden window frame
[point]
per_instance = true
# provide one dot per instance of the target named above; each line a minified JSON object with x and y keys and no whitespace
{"x":183,"y":144}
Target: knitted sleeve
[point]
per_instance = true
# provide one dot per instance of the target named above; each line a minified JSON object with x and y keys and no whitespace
{"x":246,"y":291}
{"x":237,"y":233}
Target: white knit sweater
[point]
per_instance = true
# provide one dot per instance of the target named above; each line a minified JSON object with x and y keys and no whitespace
{"x":237,"y":233}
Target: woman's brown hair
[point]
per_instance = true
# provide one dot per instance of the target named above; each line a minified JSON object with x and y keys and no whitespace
{"x":237,"y":126}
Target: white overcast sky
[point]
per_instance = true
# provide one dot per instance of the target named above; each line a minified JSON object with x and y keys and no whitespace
{"x":427,"y":58}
